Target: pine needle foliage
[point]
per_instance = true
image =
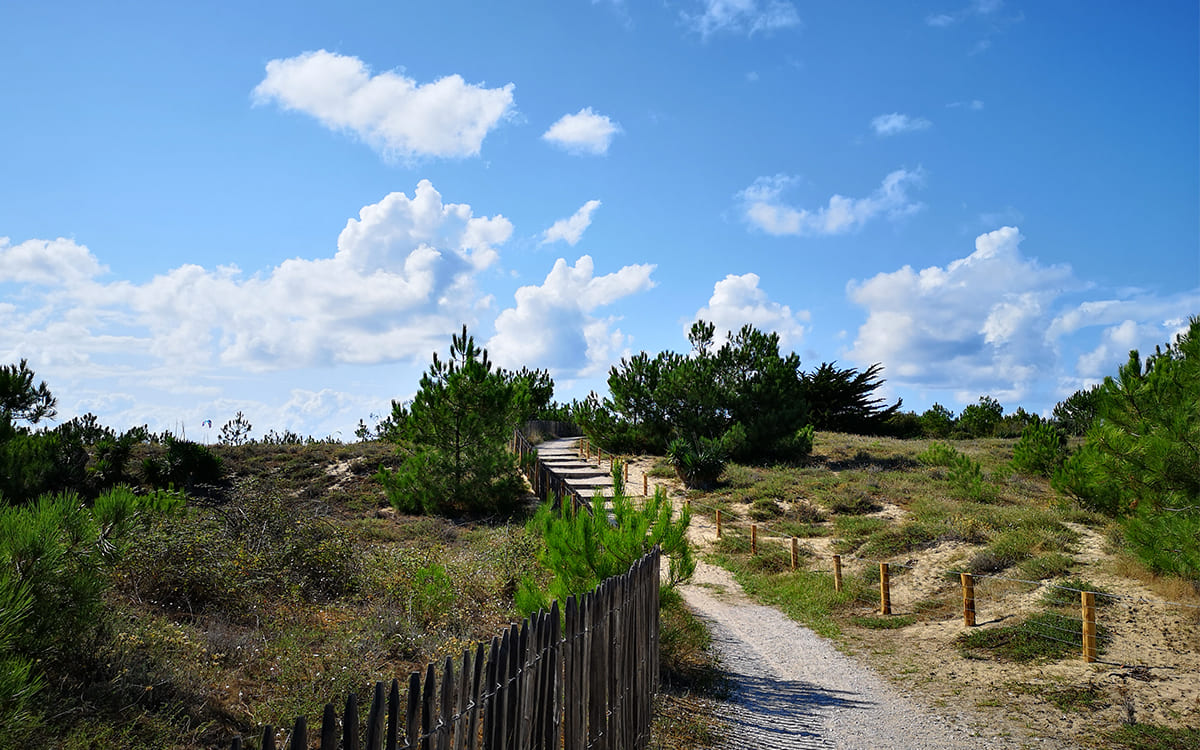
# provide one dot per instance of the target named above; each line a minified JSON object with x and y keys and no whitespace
{"x":456,"y":433}
{"x":1140,"y":457}
{"x":581,"y":549}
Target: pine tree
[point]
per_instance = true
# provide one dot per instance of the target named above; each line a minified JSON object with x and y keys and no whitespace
{"x":456,"y":431}
{"x":1141,"y":455}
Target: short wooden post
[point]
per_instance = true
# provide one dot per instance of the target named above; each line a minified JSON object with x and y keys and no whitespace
{"x":795,"y":552}
{"x":645,"y":486}
{"x":1088,"y":600}
{"x":753,"y":539}
{"x":885,"y":590}
{"x":626,"y":467}
{"x":599,"y":457}
{"x":968,"y":588}
{"x":718,"y":523}
{"x":837,"y":573}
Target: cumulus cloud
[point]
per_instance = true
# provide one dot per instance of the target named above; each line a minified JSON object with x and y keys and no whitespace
{"x":47,"y":262}
{"x":747,"y":17}
{"x":976,"y":325}
{"x":1139,"y":322}
{"x":895,"y":123}
{"x":737,"y":301}
{"x":403,"y":276}
{"x":571,"y":230}
{"x":584,"y":132}
{"x":392,"y":113}
{"x":999,"y":322}
{"x":764,"y":209}
{"x":554,"y":325}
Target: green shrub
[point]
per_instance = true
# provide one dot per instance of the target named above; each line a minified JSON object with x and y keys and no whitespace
{"x":455,"y":431}
{"x":1050,"y":565}
{"x":697,"y":463}
{"x":581,"y":549}
{"x":906,"y":537}
{"x":221,"y":560}
{"x":937,"y":421}
{"x":185,"y":465}
{"x":1165,"y":542}
{"x":764,"y":509}
{"x":853,"y":505}
{"x":1043,"y":636}
{"x":967,"y":477}
{"x":1039,"y":451}
{"x":938,"y":454}
{"x":1006,"y":549}
{"x":980,"y":419}
{"x":19,"y":682}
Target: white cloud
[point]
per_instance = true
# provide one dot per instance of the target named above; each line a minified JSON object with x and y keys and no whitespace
{"x":571,"y":230}
{"x":1139,"y":322}
{"x":402,"y":278}
{"x":977,"y":325}
{"x":392,"y":113}
{"x":894,"y":123}
{"x":747,"y":17}
{"x":47,"y":262}
{"x":763,"y":208}
{"x":553,"y":326}
{"x":737,"y":300}
{"x":584,"y":132}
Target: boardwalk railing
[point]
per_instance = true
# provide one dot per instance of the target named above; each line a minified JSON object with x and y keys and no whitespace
{"x":586,"y":680}
{"x":545,"y":482}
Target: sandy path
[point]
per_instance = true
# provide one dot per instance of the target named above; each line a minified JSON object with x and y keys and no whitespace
{"x":795,"y":690}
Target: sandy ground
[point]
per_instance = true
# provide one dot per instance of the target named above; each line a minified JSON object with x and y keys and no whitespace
{"x":1150,"y":671}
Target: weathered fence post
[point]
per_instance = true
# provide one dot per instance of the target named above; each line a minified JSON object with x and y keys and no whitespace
{"x":1088,"y":600}
{"x":837,"y":573}
{"x":795,"y":552}
{"x":753,"y":539}
{"x":718,"y":523}
{"x":885,"y":590}
{"x":968,"y":591}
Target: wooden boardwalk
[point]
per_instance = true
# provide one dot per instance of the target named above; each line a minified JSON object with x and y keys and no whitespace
{"x":586,"y":476}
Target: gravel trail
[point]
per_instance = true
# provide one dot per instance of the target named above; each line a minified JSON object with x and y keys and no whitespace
{"x":792,"y":689}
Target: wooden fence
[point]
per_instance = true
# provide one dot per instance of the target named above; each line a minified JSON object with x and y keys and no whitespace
{"x":545,"y":482}
{"x":583,"y":680}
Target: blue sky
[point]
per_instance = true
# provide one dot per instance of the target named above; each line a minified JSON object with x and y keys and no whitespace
{"x":285,"y":208}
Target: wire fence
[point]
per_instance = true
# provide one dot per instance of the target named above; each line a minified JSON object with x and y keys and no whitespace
{"x":1055,"y":617}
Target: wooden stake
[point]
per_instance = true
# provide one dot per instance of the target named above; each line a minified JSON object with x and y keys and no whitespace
{"x":795,"y":552}
{"x":626,"y":466}
{"x":718,"y":523}
{"x":753,"y":539}
{"x":837,"y":573}
{"x":885,"y":590}
{"x":1088,"y":600}
{"x":968,"y":588}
